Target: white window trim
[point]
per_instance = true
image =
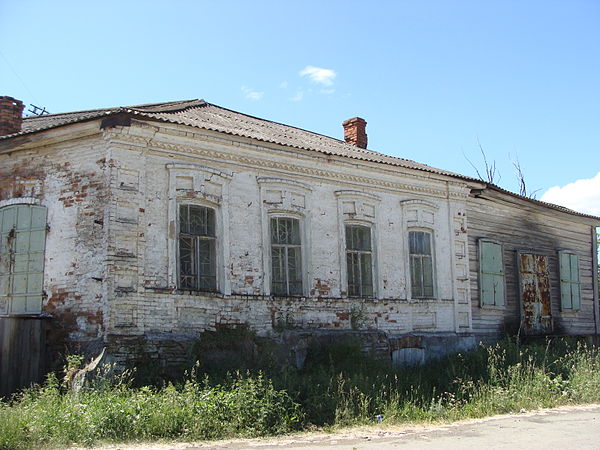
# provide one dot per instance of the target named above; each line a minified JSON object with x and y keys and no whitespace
{"x":199,"y":174}
{"x":285,"y":209}
{"x":267,"y":259}
{"x":358,"y":219}
{"x":374,"y":252}
{"x":431,"y":232}
{"x":419,"y":224}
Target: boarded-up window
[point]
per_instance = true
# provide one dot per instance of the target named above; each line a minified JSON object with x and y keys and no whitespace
{"x":22,"y":246}
{"x":421,"y":264}
{"x":491,"y":273}
{"x":197,"y":248}
{"x":286,"y":256}
{"x":359,"y":261}
{"x":570,"y":292}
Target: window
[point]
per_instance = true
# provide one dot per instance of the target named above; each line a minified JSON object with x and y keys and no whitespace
{"x":421,"y":264}
{"x":197,"y":248}
{"x":491,"y":273}
{"x":570,"y":294}
{"x":22,"y":247}
{"x":359,"y":261}
{"x":286,"y":256}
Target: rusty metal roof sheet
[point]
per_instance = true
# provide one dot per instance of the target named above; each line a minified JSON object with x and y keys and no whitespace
{"x":204,"y":115}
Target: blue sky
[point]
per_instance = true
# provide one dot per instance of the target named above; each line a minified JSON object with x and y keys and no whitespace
{"x":431,"y":78}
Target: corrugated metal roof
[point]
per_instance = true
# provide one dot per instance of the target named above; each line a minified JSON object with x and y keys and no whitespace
{"x":203,"y":115}
{"x":200,"y":114}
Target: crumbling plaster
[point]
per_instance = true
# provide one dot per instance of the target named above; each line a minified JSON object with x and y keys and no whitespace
{"x":71,"y":181}
{"x":110,"y":263}
{"x":144,"y":296}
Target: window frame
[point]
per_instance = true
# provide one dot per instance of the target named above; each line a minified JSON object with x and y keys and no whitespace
{"x":563,"y":281}
{"x":495,"y":305}
{"x":198,"y":194}
{"x":409,"y":280}
{"x":371,"y":252}
{"x":197,"y":239}
{"x":292,"y":200}
{"x":38,"y":294}
{"x":358,"y":208}
{"x":286,"y":247}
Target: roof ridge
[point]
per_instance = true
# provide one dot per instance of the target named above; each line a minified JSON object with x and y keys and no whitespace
{"x":116,"y":108}
{"x":179,"y":105}
{"x":70,"y":113}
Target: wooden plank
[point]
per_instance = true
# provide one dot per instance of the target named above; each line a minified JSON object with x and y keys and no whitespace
{"x":23,"y":350}
{"x":4,"y":347}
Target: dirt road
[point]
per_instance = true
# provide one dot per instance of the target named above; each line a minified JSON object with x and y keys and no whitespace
{"x":560,"y":428}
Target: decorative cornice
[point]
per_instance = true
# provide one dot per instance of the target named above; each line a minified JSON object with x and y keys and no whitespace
{"x":135,"y":142}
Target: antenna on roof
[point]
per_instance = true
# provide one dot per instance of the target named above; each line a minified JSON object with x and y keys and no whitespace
{"x":38,"y":111}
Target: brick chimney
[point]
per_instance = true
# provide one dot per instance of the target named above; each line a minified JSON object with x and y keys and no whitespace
{"x":355,"y":132}
{"x":11,"y":115}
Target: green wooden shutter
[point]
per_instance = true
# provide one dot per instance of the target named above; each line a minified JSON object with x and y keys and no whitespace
{"x":22,"y":246}
{"x":491,"y":273}
{"x":575,"y":286}
{"x":570,"y":294}
{"x":566,"y":301}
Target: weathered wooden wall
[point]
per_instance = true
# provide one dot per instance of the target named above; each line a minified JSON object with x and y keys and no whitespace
{"x":23,"y":352}
{"x":521,"y":226}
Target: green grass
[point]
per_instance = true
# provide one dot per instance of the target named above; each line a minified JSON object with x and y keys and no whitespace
{"x":337,"y":387}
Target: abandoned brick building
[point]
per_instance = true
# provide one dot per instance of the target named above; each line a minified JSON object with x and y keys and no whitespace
{"x":136,"y":228}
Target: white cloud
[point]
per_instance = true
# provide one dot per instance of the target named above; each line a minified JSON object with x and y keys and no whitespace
{"x":319,"y":75}
{"x":299,"y":96}
{"x":581,"y":195}
{"x":251,"y":94}
{"x":283,"y":85}
{"x":327,"y":91}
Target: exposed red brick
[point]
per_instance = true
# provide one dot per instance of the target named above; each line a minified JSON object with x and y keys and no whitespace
{"x":11,"y":115}
{"x":355,"y":132}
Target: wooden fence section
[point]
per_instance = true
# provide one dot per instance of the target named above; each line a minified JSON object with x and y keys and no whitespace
{"x":23,"y":352}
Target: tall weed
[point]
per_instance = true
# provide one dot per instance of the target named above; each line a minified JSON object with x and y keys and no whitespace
{"x":339,"y":386}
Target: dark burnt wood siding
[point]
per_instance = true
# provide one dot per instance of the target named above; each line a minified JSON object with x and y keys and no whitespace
{"x":535,"y":229}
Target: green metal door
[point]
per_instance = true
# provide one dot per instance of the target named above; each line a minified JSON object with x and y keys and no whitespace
{"x":22,"y":246}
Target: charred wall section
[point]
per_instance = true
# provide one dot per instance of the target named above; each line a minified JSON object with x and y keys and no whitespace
{"x":523,"y":229}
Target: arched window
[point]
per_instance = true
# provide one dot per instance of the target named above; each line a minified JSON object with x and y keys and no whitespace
{"x":22,"y":247}
{"x":197,"y":248}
